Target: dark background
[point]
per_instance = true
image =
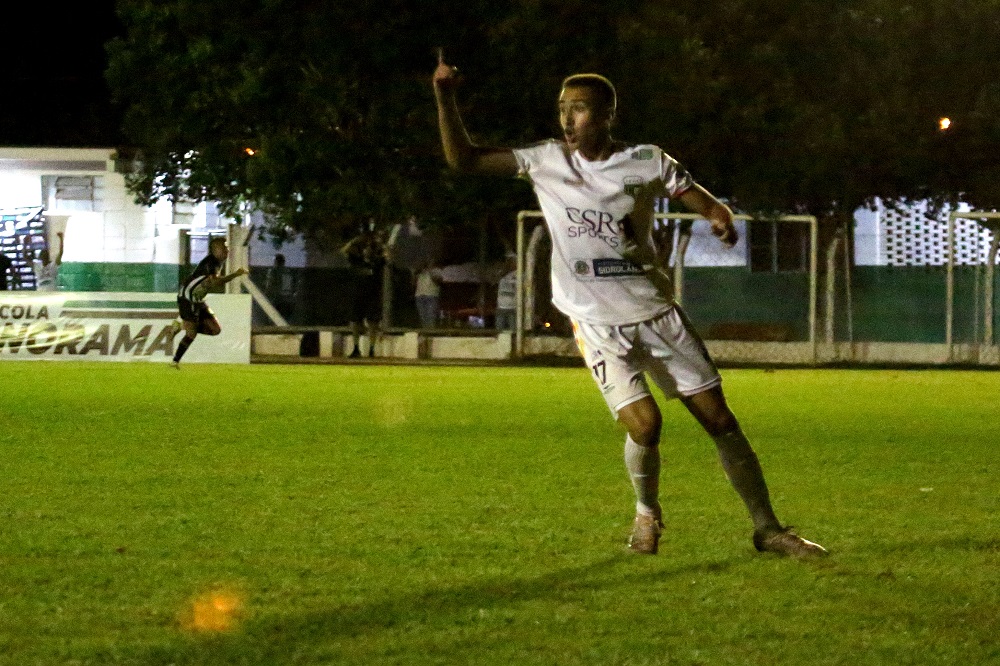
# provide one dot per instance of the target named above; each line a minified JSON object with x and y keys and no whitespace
{"x":52,"y":76}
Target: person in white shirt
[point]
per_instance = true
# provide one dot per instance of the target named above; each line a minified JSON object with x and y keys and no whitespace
{"x":597,"y":196}
{"x":427,"y":294}
{"x":46,"y":269}
{"x":506,"y":312}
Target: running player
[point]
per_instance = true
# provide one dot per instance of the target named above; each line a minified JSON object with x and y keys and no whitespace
{"x":597,"y":196}
{"x":196,"y":317}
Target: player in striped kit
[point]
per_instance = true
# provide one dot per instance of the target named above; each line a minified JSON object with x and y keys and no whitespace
{"x":597,"y":196}
{"x":195,"y":315}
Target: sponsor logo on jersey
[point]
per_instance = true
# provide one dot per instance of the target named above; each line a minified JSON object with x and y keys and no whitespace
{"x":615,"y":268}
{"x":643,"y":154}
{"x":590,"y":223}
{"x":581,"y":268}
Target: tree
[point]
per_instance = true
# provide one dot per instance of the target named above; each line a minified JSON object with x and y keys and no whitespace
{"x":319,"y":114}
{"x":818,"y":106}
{"x":785,"y":106}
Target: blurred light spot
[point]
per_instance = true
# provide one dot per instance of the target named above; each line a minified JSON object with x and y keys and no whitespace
{"x":944,"y":124}
{"x":214,"y":611}
{"x":250,"y":151}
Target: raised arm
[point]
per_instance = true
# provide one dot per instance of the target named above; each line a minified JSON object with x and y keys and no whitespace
{"x":62,"y":246}
{"x":214,"y":281}
{"x":698,"y":200}
{"x":459,"y":151}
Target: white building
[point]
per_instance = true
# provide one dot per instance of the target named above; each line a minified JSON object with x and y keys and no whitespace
{"x":111,"y":243}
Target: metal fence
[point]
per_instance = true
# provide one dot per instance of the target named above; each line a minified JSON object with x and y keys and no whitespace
{"x":790,"y":292}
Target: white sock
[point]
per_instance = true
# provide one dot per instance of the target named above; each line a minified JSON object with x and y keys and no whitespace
{"x":643,"y":465}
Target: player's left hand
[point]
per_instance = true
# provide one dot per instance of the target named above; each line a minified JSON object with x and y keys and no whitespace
{"x":445,"y":77}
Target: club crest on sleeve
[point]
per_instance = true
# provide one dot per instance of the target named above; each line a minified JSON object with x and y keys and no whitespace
{"x":632,"y":185}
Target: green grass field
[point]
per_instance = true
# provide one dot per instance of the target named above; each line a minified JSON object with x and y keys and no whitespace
{"x":431,"y":515}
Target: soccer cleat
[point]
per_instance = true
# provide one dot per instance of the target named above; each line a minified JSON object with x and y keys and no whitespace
{"x":645,"y":538}
{"x":176,"y":365}
{"x":786,"y":542}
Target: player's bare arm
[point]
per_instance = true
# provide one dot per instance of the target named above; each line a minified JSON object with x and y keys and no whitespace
{"x":232,"y":276}
{"x":62,"y":246}
{"x":219,"y":280}
{"x":459,"y":151}
{"x":699,"y":200}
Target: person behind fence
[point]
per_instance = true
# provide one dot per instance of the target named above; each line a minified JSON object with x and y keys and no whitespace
{"x":597,"y":196}
{"x":427,"y":293}
{"x":44,"y":267}
{"x":195,"y":315}
{"x":279,"y":287}
{"x":367,"y":255}
{"x":506,"y":312}
{"x":7,"y":266}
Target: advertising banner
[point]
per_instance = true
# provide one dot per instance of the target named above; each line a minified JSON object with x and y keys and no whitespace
{"x":97,"y":326}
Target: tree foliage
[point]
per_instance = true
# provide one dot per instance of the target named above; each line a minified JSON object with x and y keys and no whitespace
{"x":318,"y":113}
{"x":789,"y":105}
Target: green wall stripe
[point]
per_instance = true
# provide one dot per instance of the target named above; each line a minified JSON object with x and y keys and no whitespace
{"x":118,"y":277}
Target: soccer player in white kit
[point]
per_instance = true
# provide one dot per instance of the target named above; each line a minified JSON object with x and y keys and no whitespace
{"x":597,"y":196}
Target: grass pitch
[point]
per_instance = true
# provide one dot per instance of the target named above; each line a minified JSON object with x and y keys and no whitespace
{"x":427,"y":515}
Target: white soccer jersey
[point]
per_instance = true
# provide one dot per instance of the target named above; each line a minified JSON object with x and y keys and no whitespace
{"x":583,"y":204}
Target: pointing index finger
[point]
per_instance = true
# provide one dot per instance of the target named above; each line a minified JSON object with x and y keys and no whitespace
{"x":440,"y":55}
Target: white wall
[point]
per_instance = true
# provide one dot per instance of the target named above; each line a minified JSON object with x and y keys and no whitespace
{"x":117,"y":230}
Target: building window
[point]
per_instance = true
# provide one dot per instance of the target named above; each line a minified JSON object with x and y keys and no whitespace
{"x":73,"y":193}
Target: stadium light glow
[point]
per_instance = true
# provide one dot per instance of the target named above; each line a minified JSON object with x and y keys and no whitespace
{"x":944,"y":124}
{"x":250,"y":151}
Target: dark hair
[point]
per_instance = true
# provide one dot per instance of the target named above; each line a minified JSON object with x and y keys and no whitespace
{"x":602,"y":87}
{"x":215,"y":240}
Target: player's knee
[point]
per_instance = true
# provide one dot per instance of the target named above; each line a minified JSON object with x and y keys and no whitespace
{"x":644,"y":427}
{"x":721,"y":423}
{"x":715,"y":417}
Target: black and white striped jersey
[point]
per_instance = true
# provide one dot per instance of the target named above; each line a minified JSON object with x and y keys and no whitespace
{"x":206,"y":268}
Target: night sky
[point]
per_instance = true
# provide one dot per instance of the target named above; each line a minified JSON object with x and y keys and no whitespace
{"x":51,"y":76}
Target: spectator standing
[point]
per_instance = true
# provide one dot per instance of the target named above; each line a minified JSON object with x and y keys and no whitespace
{"x":6,"y":265}
{"x":367,"y":255}
{"x":428,"y":294}
{"x":279,"y":287}
{"x":46,"y":269}
{"x":506,"y":313}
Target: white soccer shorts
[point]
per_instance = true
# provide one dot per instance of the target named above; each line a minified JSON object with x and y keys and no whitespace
{"x":666,"y":348}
